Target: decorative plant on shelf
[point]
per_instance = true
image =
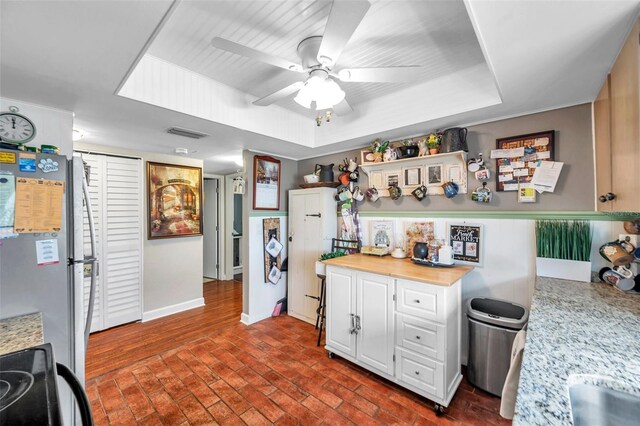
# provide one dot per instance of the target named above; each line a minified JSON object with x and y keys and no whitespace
{"x":563,"y":249}
{"x":377,"y":148}
{"x":321,"y":268}
{"x":433,"y":142}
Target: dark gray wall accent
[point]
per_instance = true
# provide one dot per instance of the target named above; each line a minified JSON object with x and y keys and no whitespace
{"x":573,"y":146}
{"x":237,"y":213}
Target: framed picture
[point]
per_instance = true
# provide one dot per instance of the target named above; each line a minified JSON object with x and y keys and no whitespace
{"x":266,"y":183}
{"x":511,"y":171}
{"x":392,"y":178}
{"x":412,"y":177}
{"x":418,"y":232}
{"x":466,"y":241}
{"x":381,"y":233}
{"x":434,"y":175}
{"x":376,"y":180}
{"x":175,"y":200}
{"x":454,"y":174}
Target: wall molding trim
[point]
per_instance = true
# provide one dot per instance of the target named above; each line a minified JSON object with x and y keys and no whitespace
{"x":248,"y":320}
{"x":172,"y":309}
{"x":568,"y":215}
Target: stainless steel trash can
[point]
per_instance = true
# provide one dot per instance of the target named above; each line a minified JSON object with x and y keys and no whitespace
{"x":493,"y":324}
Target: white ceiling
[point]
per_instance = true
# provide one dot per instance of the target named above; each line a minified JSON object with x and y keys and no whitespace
{"x":435,"y":34}
{"x":73,"y":55}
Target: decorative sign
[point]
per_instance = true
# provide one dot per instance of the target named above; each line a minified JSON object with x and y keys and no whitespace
{"x":270,"y":231}
{"x":466,"y":240}
{"x":518,"y":156}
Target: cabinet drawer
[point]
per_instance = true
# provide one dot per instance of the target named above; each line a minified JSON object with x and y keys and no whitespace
{"x":421,"y":372}
{"x":420,"y":336}
{"x":422,"y":300}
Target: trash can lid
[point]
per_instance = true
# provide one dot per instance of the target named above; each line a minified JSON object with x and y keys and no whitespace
{"x":497,"y":312}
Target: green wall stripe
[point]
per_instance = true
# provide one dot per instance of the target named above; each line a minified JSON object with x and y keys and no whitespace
{"x":504,"y":215}
{"x":267,"y":213}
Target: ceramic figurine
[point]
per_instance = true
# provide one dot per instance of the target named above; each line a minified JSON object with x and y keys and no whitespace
{"x":422,"y":148}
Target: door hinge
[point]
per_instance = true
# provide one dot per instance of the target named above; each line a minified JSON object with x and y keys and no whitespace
{"x":394,"y":297}
{"x":394,"y":357}
{"x":217,"y":228}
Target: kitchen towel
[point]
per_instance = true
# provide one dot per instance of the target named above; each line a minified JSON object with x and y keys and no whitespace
{"x":510,"y":389}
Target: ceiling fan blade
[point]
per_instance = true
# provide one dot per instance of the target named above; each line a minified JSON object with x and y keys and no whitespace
{"x":344,"y":18}
{"x":343,"y":108}
{"x":280,"y":94}
{"x":239,"y":49}
{"x":382,"y":74}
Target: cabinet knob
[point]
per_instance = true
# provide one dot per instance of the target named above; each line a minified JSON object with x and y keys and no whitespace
{"x":607,"y":197}
{"x":417,"y":301}
{"x":418,"y":337}
{"x":417,"y":373}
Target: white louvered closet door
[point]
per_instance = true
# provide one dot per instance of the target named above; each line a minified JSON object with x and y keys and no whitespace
{"x":119,"y":187}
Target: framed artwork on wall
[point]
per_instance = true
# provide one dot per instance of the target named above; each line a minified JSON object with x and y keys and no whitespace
{"x":434,"y":175}
{"x":392,"y":178}
{"x":174,"y":200}
{"x":412,"y":177}
{"x":266,"y":183}
{"x":466,"y":241}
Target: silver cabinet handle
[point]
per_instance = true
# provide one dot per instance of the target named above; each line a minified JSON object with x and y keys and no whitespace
{"x":353,"y":328}
{"x":357,"y":323}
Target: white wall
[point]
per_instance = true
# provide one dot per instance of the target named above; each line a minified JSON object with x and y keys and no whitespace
{"x":172,"y":272}
{"x":53,"y":126}
{"x":509,"y":269}
{"x":262,"y":296}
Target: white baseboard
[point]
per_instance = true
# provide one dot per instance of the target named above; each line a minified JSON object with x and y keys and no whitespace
{"x":248,"y":320}
{"x":172,"y":309}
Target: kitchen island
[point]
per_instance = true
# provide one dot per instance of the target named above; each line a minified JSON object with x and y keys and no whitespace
{"x":399,"y":320}
{"x":578,"y":333}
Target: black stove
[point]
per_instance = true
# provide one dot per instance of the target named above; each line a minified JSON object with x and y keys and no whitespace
{"x":28,"y":389}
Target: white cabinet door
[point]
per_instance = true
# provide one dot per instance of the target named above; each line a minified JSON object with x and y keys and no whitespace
{"x":375,"y":315}
{"x":341,"y":310}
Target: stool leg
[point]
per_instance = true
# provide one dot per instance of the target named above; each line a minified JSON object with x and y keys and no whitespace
{"x":322,"y":281}
{"x":323,"y":305}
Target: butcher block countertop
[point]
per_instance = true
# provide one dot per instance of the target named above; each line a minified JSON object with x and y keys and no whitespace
{"x":400,"y":268}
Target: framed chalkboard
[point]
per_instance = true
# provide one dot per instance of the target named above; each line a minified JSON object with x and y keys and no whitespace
{"x":466,"y":240}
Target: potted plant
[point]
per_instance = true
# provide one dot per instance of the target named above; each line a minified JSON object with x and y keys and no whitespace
{"x":563,"y":249}
{"x":433,"y":142}
{"x":378,"y":148}
{"x":321,"y":268}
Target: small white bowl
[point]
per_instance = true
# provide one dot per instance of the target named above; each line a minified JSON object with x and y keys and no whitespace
{"x":311,"y":178}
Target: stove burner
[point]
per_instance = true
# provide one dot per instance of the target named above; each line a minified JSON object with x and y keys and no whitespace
{"x":13,"y":386}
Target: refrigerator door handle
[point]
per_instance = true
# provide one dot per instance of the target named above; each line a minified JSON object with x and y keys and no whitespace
{"x":93,"y":260}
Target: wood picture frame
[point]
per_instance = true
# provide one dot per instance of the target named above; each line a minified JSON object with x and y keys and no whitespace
{"x":174,"y":205}
{"x":538,"y":146}
{"x":467,"y":244}
{"x":266,"y":183}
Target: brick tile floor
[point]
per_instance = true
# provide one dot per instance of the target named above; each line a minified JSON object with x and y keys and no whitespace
{"x":267,"y":373}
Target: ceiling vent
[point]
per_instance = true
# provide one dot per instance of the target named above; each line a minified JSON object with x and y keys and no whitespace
{"x":186,"y":133}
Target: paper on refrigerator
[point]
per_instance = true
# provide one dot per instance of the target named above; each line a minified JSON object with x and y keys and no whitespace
{"x":546,"y":176}
{"x":7,"y":204}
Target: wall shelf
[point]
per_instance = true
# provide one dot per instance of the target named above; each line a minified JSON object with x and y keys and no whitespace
{"x":454,"y":167}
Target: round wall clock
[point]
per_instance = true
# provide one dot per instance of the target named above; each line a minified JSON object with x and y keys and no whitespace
{"x":16,"y":128}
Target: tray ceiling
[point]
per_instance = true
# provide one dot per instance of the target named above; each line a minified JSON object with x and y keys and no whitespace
{"x":434,"y":34}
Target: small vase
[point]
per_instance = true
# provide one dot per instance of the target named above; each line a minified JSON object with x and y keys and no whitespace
{"x":321,"y":268}
{"x":377,"y":157}
{"x":434,"y":151}
{"x":420,"y":250}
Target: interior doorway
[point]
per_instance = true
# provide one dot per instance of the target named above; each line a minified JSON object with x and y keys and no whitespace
{"x":233,"y":230}
{"x":210,"y":230}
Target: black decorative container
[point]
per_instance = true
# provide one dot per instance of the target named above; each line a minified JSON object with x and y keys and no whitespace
{"x":420,"y":250}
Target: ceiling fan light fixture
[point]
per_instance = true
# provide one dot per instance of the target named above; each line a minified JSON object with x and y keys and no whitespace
{"x":324,"y":91}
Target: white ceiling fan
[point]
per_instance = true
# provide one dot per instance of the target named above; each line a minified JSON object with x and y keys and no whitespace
{"x":318,"y":56}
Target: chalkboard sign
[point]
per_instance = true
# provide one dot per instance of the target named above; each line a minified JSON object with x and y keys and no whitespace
{"x":466,"y":240}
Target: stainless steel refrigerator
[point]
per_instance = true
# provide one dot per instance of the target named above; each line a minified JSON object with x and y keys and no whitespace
{"x":53,"y":288}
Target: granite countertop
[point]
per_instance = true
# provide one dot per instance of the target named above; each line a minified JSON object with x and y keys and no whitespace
{"x":401,"y":268}
{"x":578,"y":333}
{"x":20,"y":332}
